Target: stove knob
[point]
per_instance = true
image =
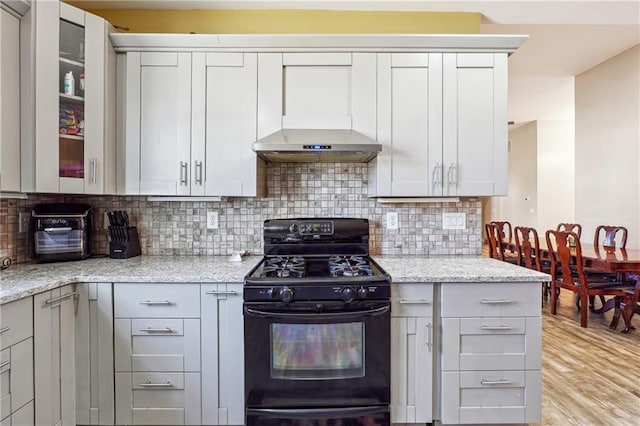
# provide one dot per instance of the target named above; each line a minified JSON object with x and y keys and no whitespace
{"x":347,"y":294}
{"x":286,"y":294}
{"x":293,"y":228}
{"x":362,"y":292}
{"x":270,"y":293}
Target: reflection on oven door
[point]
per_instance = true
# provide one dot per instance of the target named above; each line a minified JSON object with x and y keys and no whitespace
{"x":355,"y":416}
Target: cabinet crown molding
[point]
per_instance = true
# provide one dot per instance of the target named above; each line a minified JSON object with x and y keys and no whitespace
{"x":320,"y":42}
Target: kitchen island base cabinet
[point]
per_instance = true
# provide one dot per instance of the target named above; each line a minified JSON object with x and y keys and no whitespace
{"x":94,"y":354}
{"x":54,"y":356}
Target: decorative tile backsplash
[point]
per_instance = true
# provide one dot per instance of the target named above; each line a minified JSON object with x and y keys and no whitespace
{"x":294,"y":190}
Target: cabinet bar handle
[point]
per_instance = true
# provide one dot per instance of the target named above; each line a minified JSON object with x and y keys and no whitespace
{"x":157,"y":330}
{"x":4,"y":329}
{"x":226,"y":292}
{"x":429,"y":330}
{"x":4,"y":364}
{"x":183,"y":173}
{"x":437,"y":175}
{"x":94,"y":170}
{"x":496,"y":327}
{"x":156,"y":302}
{"x":57,"y":299}
{"x":495,"y":301}
{"x":156,"y":385}
{"x":198,"y":168}
{"x":414,"y":302}
{"x":487,"y":382}
{"x":454,"y":174}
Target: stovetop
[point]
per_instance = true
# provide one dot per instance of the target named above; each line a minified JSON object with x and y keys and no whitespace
{"x":333,"y":266}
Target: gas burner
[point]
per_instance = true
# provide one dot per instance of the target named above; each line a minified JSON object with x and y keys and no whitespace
{"x":349,"y":266}
{"x":284,"y":267}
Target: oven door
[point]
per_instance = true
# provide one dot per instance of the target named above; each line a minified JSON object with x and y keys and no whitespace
{"x":310,"y":355}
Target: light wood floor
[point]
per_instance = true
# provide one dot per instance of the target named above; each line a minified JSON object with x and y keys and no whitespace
{"x":589,"y":376}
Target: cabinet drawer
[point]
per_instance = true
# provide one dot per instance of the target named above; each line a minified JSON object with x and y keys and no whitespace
{"x":173,"y":345}
{"x":412,"y":300}
{"x":16,"y":321}
{"x":157,"y":300}
{"x":491,"y":343}
{"x":491,"y":300}
{"x":491,"y":397}
{"x":158,"y":398}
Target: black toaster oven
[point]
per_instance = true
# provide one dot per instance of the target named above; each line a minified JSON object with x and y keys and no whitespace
{"x":62,"y":231}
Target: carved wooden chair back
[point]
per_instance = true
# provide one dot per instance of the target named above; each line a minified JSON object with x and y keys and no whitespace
{"x":528,"y":247}
{"x":505,"y":230}
{"x":562,"y":266}
{"x":606,"y":236}
{"x":491,"y":232}
{"x":572,"y":227}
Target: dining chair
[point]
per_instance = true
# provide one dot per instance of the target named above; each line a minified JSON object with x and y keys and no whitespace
{"x":528,"y":252}
{"x":497,"y":245}
{"x":572,"y":227}
{"x":562,"y":276}
{"x":505,"y":231}
{"x":607,"y":237}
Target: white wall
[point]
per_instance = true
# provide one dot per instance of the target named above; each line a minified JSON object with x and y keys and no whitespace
{"x":556,"y":173}
{"x":608,"y":146}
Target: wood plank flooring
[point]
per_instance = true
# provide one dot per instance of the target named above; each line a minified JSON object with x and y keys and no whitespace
{"x":589,"y":376}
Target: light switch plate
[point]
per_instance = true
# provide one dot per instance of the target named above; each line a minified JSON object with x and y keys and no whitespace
{"x":212,"y":220}
{"x":455,"y":221}
{"x":23,"y":221}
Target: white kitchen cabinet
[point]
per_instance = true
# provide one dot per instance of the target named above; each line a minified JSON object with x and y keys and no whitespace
{"x":68,"y":129}
{"x":9,"y":100}
{"x":491,"y":353}
{"x":222,"y":354}
{"x":94,"y":354}
{"x":442,"y":120}
{"x":157,"y":354}
{"x":474,"y":124}
{"x":412,"y":349}
{"x":16,"y":362}
{"x":305,"y":90}
{"x":54,"y":356}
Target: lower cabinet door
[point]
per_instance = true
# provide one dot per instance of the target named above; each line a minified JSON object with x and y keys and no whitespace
{"x":158,"y":398}
{"x":22,"y":417}
{"x":411,"y":370}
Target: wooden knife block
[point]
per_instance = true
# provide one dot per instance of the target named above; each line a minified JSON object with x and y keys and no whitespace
{"x":128,"y":248}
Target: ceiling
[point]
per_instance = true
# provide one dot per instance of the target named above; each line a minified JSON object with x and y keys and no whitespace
{"x":566,"y":38}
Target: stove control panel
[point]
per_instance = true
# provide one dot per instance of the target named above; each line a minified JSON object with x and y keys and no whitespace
{"x":305,"y":293}
{"x":324,"y":227}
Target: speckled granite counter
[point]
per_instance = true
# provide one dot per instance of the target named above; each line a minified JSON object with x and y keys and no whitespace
{"x":26,"y":279}
{"x":449,"y":269}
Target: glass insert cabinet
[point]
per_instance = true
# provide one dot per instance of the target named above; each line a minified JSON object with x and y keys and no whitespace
{"x":68,"y":131}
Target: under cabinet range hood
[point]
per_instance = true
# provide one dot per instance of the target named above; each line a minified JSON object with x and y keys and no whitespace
{"x":317,"y":145}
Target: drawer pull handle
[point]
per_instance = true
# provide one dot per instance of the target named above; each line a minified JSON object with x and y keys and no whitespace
{"x":429,"y":329}
{"x":4,"y":329}
{"x":157,"y":330}
{"x":496,"y":327}
{"x":57,"y":299}
{"x":487,"y":382}
{"x":222,"y":293}
{"x":4,"y":364}
{"x":495,"y":301}
{"x":415,"y":302}
{"x":156,"y":385}
{"x":156,"y":302}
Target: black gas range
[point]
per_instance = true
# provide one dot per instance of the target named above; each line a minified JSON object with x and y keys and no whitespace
{"x":317,"y":326}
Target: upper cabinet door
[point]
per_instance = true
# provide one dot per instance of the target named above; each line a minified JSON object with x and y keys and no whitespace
{"x":409,"y":125}
{"x":10,"y":101}
{"x":317,"y":91}
{"x":158,"y":123}
{"x":67,"y":143}
{"x":228,"y":82}
{"x":475,"y":124}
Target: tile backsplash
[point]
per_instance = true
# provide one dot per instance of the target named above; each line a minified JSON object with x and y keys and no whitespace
{"x":294,"y":190}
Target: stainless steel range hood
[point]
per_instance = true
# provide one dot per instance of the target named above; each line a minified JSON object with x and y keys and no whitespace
{"x":317,"y":145}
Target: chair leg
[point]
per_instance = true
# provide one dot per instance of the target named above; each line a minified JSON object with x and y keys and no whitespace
{"x":554,"y":298}
{"x":627,"y":314}
{"x":616,"y":313}
{"x":584,"y":310}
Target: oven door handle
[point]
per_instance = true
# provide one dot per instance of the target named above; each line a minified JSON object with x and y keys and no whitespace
{"x":316,"y":413}
{"x":314,"y":314}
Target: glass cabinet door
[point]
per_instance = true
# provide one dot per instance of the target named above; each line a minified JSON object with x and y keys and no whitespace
{"x":71,"y":106}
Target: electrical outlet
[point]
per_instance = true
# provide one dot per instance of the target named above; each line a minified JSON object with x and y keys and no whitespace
{"x":454,"y":221}
{"x":212,"y":220}
{"x":23,"y":219}
{"x":392,"y":220}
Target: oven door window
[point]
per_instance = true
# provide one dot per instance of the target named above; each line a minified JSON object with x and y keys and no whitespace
{"x":317,"y":351}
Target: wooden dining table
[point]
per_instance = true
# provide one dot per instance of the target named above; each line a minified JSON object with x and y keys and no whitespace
{"x":606,"y":259}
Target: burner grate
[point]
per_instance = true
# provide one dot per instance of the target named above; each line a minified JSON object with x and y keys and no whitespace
{"x":349,"y":266}
{"x":284,"y":267}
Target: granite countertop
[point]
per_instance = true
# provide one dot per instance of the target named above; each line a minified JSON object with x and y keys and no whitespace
{"x":26,"y":279}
